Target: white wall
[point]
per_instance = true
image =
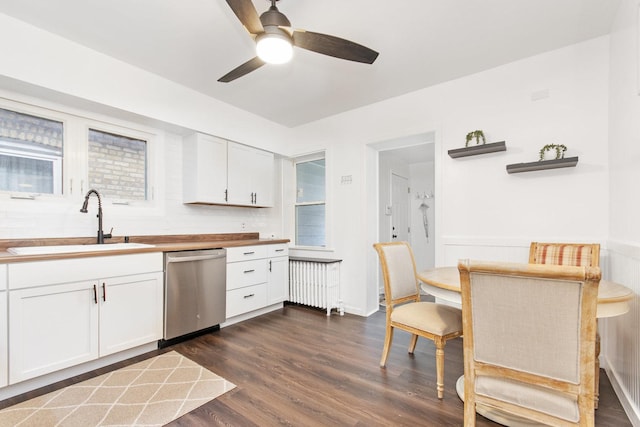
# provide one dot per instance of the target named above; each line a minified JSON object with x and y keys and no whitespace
{"x":478,"y":202}
{"x":621,"y":341}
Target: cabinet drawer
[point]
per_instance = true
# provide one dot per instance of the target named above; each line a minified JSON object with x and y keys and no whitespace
{"x":244,"y":253}
{"x":281,"y":249}
{"x":246,"y":299}
{"x":241,"y":274}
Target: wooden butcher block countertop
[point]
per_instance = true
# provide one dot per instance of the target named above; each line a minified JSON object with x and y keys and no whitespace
{"x":161,"y":243}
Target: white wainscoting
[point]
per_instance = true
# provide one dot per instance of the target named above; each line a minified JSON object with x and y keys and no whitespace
{"x":620,"y":351}
{"x":484,"y":249}
{"x":620,"y":262}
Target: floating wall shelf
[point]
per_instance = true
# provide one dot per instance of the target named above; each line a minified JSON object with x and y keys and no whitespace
{"x":568,"y":162}
{"x":478,"y":149}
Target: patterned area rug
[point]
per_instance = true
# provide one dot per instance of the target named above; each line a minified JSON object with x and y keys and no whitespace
{"x":153,"y":392}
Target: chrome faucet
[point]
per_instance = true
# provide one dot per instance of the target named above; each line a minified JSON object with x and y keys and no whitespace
{"x":101,"y":235}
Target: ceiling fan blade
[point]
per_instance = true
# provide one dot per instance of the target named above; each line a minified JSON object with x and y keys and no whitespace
{"x":246,"y":68}
{"x":247,"y":14}
{"x":333,"y":46}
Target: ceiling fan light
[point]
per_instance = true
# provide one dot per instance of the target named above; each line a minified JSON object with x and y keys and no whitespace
{"x":274,"y":48}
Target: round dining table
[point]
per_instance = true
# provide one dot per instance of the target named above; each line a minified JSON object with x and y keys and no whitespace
{"x":614,"y":299}
{"x":444,"y":282}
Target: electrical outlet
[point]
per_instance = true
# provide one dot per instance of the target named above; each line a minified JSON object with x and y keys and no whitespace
{"x":243,"y":226}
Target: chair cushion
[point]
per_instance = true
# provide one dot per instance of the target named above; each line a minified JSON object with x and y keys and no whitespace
{"x":438,"y":319}
{"x":529,"y":396}
{"x":563,"y":255}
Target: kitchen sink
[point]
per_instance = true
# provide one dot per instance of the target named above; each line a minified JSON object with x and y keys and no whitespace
{"x":62,"y":249}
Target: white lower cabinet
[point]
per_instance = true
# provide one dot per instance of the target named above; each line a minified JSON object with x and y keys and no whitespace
{"x":51,"y":328}
{"x":60,"y":318}
{"x":278,"y":277}
{"x":246,"y":299}
{"x":256,"y":277}
{"x":4,"y":354}
{"x":130,"y":312}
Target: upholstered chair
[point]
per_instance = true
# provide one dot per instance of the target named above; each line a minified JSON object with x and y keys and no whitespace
{"x":576,"y":254}
{"x":529,"y":341}
{"x":405,"y":311}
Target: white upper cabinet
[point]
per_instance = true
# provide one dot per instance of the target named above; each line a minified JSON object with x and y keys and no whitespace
{"x":249,"y":176}
{"x":205,"y":169}
{"x":217,"y":171}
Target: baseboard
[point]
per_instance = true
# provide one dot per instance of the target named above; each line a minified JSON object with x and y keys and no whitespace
{"x":632,"y":411}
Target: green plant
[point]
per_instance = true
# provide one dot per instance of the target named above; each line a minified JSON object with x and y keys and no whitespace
{"x":477,"y":134}
{"x":559,"y":149}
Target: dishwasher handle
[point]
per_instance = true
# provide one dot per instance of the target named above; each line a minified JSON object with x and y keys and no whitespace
{"x":171,"y":259}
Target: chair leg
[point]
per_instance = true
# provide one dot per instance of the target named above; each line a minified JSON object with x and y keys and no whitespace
{"x":596,"y":389}
{"x":412,"y":343}
{"x":469,"y":413}
{"x":387,"y":345}
{"x":439,"y":342}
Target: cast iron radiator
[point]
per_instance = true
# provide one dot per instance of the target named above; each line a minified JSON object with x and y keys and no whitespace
{"x":315,"y":282}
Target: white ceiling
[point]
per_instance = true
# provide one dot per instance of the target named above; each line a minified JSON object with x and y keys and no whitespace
{"x":421,"y":43}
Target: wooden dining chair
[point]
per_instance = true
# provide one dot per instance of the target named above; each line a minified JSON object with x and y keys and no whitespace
{"x":529,"y":341}
{"x":405,"y":311}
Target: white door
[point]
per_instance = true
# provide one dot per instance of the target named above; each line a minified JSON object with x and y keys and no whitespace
{"x":399,"y":208}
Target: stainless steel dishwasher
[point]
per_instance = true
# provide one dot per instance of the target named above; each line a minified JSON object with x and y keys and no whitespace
{"x":195,"y":291}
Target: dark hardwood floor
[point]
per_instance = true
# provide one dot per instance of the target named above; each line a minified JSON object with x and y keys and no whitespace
{"x":298,"y":367}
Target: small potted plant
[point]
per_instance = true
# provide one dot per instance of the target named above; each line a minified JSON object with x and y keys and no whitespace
{"x":553,"y":149}
{"x":478,"y":135}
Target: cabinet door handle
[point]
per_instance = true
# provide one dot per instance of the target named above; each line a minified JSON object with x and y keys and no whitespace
{"x":269,"y":265}
{"x":249,"y":271}
{"x":249,"y":296}
{"x":95,"y":294}
{"x":248,"y":253}
{"x":226,"y":195}
{"x":104,"y":291}
{"x":279,"y":250}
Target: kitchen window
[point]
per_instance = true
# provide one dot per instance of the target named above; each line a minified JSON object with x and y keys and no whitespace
{"x":46,"y":152}
{"x":117,"y":165}
{"x":310,"y":211}
{"x":31,"y":153}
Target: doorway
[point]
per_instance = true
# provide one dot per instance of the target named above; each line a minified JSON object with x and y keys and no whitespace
{"x":413,"y":160}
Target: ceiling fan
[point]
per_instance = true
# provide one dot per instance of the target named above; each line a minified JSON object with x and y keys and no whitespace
{"x":275,"y":40}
